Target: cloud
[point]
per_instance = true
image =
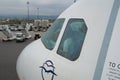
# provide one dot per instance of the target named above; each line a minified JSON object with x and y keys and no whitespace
{"x":47,"y":1}
{"x":51,"y":7}
{"x":46,"y":7}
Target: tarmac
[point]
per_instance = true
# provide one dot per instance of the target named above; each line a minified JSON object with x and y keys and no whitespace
{"x":9,"y":52}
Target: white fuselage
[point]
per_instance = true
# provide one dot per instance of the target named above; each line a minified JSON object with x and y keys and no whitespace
{"x":99,"y":53}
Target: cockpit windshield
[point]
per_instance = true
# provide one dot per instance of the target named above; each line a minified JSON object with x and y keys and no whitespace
{"x":50,"y":37}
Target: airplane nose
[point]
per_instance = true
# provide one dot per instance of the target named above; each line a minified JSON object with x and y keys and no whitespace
{"x":25,"y":61}
{"x":20,"y":66}
{"x":29,"y":61}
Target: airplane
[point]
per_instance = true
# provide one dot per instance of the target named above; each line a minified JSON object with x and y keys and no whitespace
{"x":82,"y":44}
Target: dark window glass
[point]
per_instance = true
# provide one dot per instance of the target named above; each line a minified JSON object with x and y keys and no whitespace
{"x":72,"y":40}
{"x":50,"y":37}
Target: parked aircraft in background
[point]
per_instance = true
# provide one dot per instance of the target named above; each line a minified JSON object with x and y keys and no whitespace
{"x":82,"y":44}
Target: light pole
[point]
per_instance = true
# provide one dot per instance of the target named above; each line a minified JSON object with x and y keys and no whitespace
{"x":37,"y":13}
{"x":28,"y":9}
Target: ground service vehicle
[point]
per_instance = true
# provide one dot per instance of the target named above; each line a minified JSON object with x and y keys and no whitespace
{"x":20,"y":37}
{"x":9,"y":36}
{"x":82,"y":44}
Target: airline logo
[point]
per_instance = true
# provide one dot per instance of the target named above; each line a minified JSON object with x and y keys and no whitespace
{"x":47,"y":70}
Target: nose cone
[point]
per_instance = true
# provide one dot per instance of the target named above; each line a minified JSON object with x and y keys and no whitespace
{"x":30,"y":60}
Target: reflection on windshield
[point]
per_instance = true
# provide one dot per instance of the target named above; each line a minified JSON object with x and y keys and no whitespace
{"x":50,"y":37}
{"x":73,"y":39}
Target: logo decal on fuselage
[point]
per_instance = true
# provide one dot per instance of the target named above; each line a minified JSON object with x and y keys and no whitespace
{"x":47,"y":70}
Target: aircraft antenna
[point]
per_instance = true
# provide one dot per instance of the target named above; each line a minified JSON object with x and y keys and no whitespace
{"x":74,"y":1}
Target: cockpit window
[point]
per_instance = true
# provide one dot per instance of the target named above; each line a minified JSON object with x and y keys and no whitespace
{"x":50,"y":37}
{"x":72,"y":40}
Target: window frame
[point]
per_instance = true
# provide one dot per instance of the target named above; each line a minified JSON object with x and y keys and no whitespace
{"x":64,"y":34}
{"x":57,"y":36}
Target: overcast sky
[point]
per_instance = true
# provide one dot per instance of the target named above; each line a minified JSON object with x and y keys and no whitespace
{"x":46,"y":7}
